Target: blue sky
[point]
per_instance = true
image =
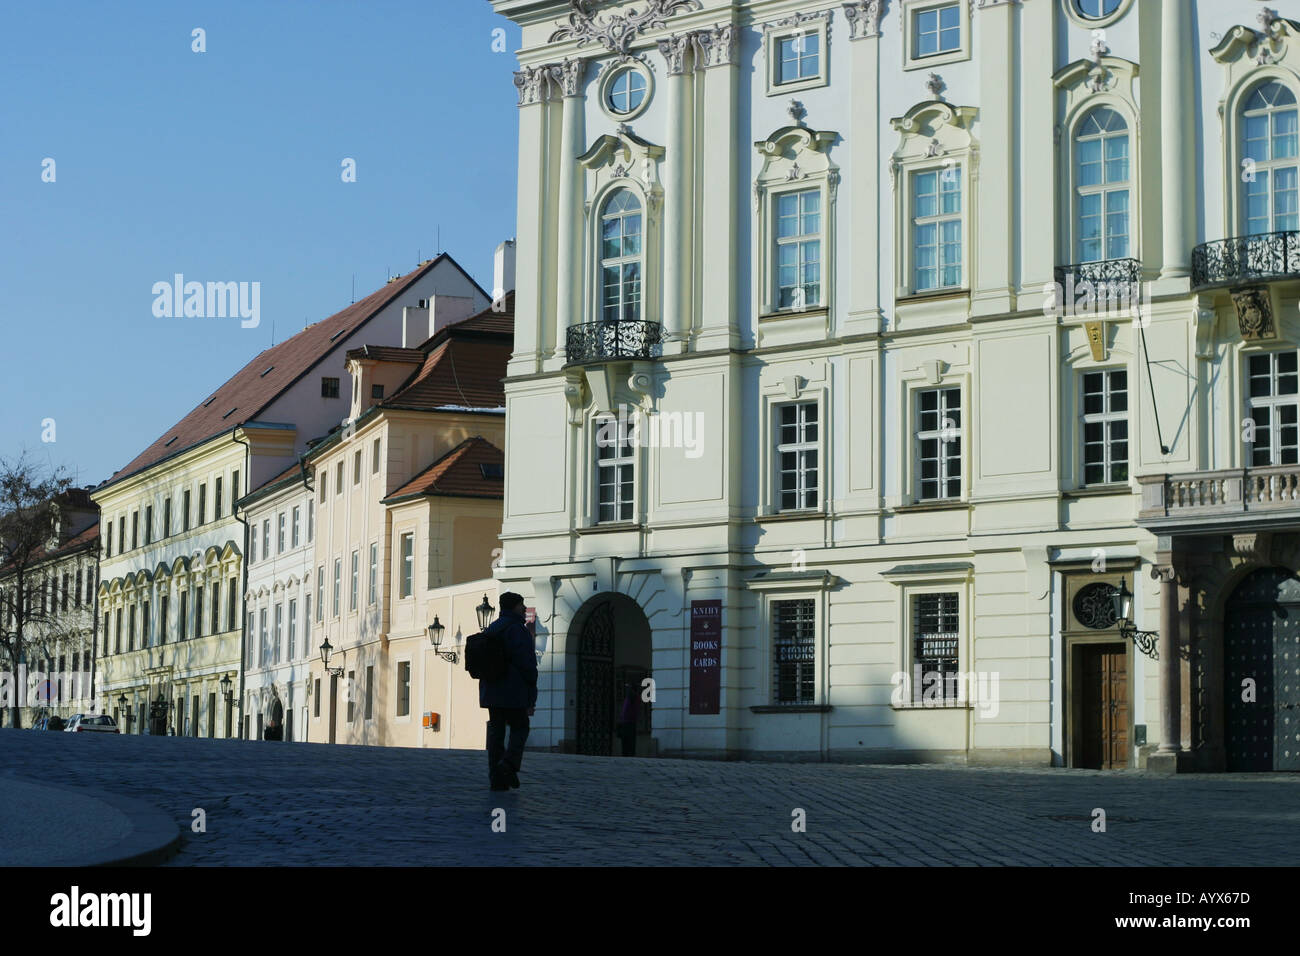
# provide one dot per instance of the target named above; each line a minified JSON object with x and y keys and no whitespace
{"x":225,"y":166}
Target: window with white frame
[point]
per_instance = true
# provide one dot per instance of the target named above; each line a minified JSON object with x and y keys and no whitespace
{"x":1272,"y":401}
{"x":1102,"y":186}
{"x":938,"y":443}
{"x":797,"y":234}
{"x":293,"y":629}
{"x":266,"y":539}
{"x":798,"y":57}
{"x":798,"y":444}
{"x":627,"y":91}
{"x":297,"y":525}
{"x":1105,"y":427}
{"x":1270,"y":132}
{"x":356,"y":579}
{"x":374,"y":457}
{"x":338,"y":583}
{"x":338,"y":478}
{"x":403,"y":688}
{"x":373,"y":594}
{"x":936,"y":30}
{"x":615,"y":468}
{"x":320,"y":594}
{"x":408,"y":564}
{"x":279,"y":540}
{"x":264,"y":648}
{"x":794,"y":651}
{"x":1096,"y":9}
{"x":621,"y":260}
{"x":937,"y":229}
{"x":936,"y":639}
{"x":279,"y":633}
{"x":796,"y":52}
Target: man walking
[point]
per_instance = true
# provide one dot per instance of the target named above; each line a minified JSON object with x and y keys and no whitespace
{"x":510,"y":700}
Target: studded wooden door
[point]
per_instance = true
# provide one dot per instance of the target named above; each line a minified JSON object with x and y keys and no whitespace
{"x":1261,"y":656}
{"x":596,"y":683}
{"x":1104,"y":685}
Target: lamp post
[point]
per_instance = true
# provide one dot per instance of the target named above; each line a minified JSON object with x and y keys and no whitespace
{"x":484,"y":612}
{"x":436,"y":630}
{"x":1145,"y":641}
{"x":325,"y":650}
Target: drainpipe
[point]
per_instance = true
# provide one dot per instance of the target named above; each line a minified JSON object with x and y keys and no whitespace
{"x":306,"y":624}
{"x":243,"y":617}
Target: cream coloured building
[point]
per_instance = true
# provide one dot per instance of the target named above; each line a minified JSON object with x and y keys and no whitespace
{"x":172,"y":567}
{"x":831,"y":263}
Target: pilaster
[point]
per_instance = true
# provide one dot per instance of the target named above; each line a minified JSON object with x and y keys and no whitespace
{"x":718,"y":321}
{"x":864,"y":310}
{"x":993,"y":199}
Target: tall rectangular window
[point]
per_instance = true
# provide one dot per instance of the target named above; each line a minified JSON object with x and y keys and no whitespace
{"x":797,"y":455}
{"x":252,"y":539}
{"x":264,"y":645}
{"x":163,"y":606}
{"x":356,"y":579}
{"x":352,"y":695}
{"x":374,"y":573}
{"x":203,"y":505}
{"x":798,"y":249}
{"x":356,"y":467}
{"x":938,"y":443}
{"x":234,"y":492}
{"x":293,"y":629}
{"x":316,"y":699}
{"x":338,"y":478}
{"x":279,"y":537}
{"x":1105,"y":427}
{"x":198,"y":612}
{"x":615,"y":468}
{"x":67,"y":588}
{"x":266,"y":539}
{"x":937,"y":30}
{"x":936,"y":229}
{"x":108,"y":541}
{"x":1102,"y":179}
{"x":148,"y":524}
{"x":185,"y":511}
{"x":297,"y":525}
{"x":232,"y":604}
{"x":794,"y":648}
{"x":216,"y":607}
{"x":144,"y":624}
{"x":135,"y":530}
{"x":167,"y":517}
{"x":338,"y":583}
{"x":121,"y":533}
{"x":311,"y":520}
{"x":320,"y":593}
{"x":408,"y":564}
{"x":935,"y":632}
{"x":217,"y":500}
{"x":1272,"y":403}
{"x":117,"y":630}
{"x":279,"y":633}
{"x":370,"y":690}
{"x":403,"y":688}
{"x":374,"y":457}
{"x":184,"y":629}
{"x":130,"y":636}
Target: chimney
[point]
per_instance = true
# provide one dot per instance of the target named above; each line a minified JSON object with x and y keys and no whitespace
{"x":503,"y":272}
{"x":415,"y":325}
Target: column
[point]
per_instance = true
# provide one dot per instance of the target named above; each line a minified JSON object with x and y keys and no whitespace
{"x":531,"y":84}
{"x":1177,"y":124}
{"x":719,"y":318}
{"x":993,"y":201}
{"x":1036,"y":143}
{"x":568,"y":76}
{"x":676,"y":315}
{"x":864,"y":176}
{"x":1171,"y":726}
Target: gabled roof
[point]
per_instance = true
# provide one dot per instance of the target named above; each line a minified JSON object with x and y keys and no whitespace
{"x":459,"y":473}
{"x":386,"y":353}
{"x":272,"y":372}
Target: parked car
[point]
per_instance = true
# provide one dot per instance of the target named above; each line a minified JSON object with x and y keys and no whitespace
{"x":98,"y":723}
{"x":55,"y":723}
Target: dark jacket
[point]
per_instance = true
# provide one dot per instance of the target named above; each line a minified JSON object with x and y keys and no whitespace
{"x":519,"y":687}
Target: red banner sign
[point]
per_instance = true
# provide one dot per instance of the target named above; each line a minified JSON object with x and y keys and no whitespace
{"x":706,"y":657}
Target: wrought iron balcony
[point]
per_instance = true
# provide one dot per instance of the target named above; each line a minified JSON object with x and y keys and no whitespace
{"x":1245,"y":259}
{"x":609,"y":341}
{"x":1236,"y":498}
{"x":1104,"y":287}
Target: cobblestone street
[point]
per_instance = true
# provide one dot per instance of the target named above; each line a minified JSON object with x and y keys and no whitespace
{"x":313,"y":804}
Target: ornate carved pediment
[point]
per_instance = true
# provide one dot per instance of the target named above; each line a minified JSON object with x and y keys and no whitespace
{"x":929,"y":118}
{"x":794,"y":153}
{"x":617,"y":31}
{"x":1097,"y":74}
{"x":1254,"y":313}
{"x":1266,"y":45}
{"x":625,"y":147}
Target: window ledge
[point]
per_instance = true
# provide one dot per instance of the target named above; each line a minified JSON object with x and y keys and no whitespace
{"x":801,"y":514}
{"x":610,"y":526}
{"x":1093,"y":491}
{"x":819,"y":311}
{"x":947,"y":505}
{"x":932,"y":295}
{"x":791,"y":709}
{"x":946,"y":705}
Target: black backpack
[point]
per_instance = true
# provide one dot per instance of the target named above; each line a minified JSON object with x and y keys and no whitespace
{"x":485,"y":655}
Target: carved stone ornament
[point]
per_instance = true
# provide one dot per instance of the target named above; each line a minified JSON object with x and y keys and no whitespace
{"x":533,"y":84}
{"x":616,"y":31}
{"x":1255,"y":547}
{"x":864,"y":18}
{"x":1254,"y":313}
{"x":673,"y":49}
{"x":796,"y":112}
{"x":934,"y":83}
{"x":1096,"y":340}
{"x":567,"y":76}
{"x":715,"y":47}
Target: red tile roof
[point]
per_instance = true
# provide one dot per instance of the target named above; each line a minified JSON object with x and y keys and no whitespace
{"x":387,"y":353}
{"x":271,"y":373}
{"x":86,"y":540}
{"x":458,"y":474}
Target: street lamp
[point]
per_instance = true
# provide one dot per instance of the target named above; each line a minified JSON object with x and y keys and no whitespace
{"x":484,"y":612}
{"x":1122,"y":602}
{"x":325,"y":650}
{"x":227,"y":688}
{"x":436,"y":630}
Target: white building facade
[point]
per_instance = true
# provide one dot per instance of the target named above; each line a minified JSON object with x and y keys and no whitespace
{"x":864,"y":352}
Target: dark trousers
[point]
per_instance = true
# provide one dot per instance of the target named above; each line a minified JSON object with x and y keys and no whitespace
{"x":627,"y":732}
{"x":497,"y":749}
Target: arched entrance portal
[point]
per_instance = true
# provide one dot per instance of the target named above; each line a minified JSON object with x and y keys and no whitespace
{"x":1261,"y":650}
{"x":613,"y":654}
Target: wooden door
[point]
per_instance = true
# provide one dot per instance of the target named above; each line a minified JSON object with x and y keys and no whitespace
{"x":1103,"y":684}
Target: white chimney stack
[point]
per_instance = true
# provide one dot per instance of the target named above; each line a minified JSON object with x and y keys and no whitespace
{"x":503,"y":272}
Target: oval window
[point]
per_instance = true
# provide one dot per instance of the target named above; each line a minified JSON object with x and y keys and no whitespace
{"x":1096,"y":9}
{"x":626,"y":91}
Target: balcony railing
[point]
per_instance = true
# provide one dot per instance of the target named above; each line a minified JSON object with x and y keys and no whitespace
{"x":1106,"y":287}
{"x":623,"y":339}
{"x":1244,"y":259}
{"x":1215,"y":494}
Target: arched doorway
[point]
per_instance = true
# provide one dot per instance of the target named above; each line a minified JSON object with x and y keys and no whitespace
{"x":1261,"y":652}
{"x":613,"y":655}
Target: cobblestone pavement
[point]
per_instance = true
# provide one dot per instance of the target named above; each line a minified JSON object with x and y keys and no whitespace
{"x":305,"y":804}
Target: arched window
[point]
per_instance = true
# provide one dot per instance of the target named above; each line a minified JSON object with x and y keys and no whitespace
{"x":1269,"y":133}
{"x":620,"y":258}
{"x":1103,"y":188}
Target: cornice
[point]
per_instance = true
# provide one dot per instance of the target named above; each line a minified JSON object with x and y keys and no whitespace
{"x":617,"y":31}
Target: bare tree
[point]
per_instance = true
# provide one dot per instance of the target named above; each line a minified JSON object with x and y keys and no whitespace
{"x":29,"y":533}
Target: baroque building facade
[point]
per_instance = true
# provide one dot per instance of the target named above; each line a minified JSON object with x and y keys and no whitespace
{"x":874,"y":349}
